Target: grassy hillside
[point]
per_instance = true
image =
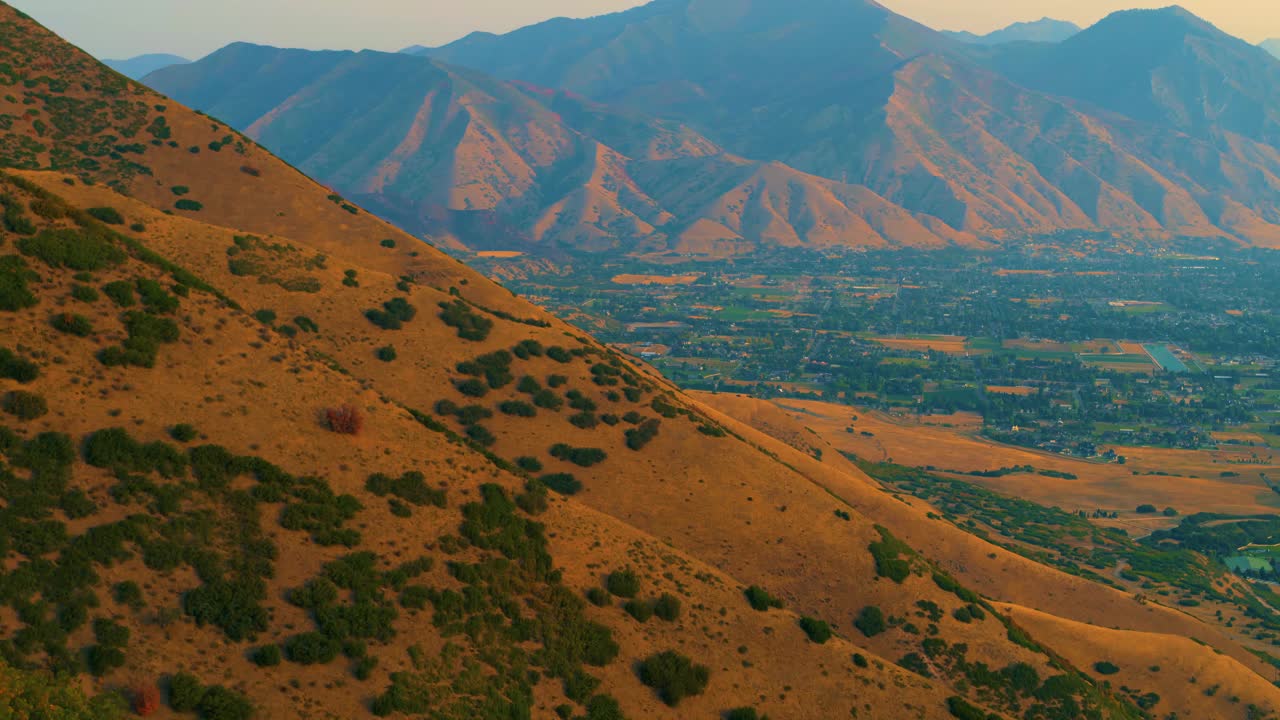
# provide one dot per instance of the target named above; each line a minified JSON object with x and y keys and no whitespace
{"x":270,"y":456}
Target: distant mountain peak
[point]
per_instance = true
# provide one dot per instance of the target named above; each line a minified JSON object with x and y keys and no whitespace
{"x":142,"y":65}
{"x":1043,"y":30}
{"x":1272,"y":46}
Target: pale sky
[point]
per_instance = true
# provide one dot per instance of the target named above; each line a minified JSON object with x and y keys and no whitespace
{"x":123,"y":28}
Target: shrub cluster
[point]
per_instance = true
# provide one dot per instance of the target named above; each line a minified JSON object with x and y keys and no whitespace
{"x":582,"y":457}
{"x":641,"y":435}
{"x":470,"y":325}
{"x":393,"y":315}
{"x":674,"y":676}
{"x":760,"y":599}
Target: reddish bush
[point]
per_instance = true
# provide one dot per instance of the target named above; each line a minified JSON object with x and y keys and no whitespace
{"x":146,"y":700}
{"x":345,"y":420}
{"x":250,"y":171}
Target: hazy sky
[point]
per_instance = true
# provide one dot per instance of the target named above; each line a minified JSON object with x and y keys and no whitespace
{"x":193,"y":29}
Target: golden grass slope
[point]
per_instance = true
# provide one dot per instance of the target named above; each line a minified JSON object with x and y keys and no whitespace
{"x":706,"y":508}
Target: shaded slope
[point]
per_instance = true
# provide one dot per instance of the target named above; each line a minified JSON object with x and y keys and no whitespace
{"x":455,"y":153}
{"x":1166,"y":67}
{"x":1162,"y":130}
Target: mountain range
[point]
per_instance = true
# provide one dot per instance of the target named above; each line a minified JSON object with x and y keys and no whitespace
{"x":844,"y":123}
{"x":1043,"y":30}
{"x":143,"y":65}
{"x":267,"y":455}
{"x":1272,"y":46}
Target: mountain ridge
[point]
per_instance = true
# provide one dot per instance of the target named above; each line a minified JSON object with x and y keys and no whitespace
{"x":852,"y":94}
{"x":1046,"y":29}
{"x":140,"y":66}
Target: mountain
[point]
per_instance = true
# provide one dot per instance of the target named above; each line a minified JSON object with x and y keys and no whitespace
{"x":1045,"y":30}
{"x":1271,"y":46}
{"x":267,"y":455}
{"x":1164,"y":67}
{"x":849,"y":91}
{"x":143,"y":65}
{"x":455,"y":153}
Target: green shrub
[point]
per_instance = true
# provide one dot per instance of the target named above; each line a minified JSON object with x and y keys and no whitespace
{"x":547,"y":400}
{"x":1104,"y":667}
{"x":128,"y":593}
{"x":25,"y":405}
{"x":84,"y":293}
{"x":120,"y":292}
{"x":386,"y":353}
{"x":667,"y":607}
{"x":623,"y":583}
{"x":14,"y":278}
{"x":562,"y":483}
{"x":16,"y":368}
{"x":267,"y":656}
{"x":481,"y":435}
{"x":185,"y":692}
{"x":518,"y":408}
{"x":470,"y":326}
{"x":870,"y":622}
{"x":107,"y":215}
{"x":189,"y":205}
{"x":264,"y":316}
{"x":472,"y":387}
{"x":582,"y":457}
{"x":388,"y":243}
{"x":102,"y":660}
{"x":960,"y":708}
{"x":638,"y":437}
{"x":180,"y":190}
{"x":597,"y":596}
{"x":761,"y":600}
{"x":744,"y":713}
{"x":817,"y":630}
{"x":311,"y":649}
{"x":183,"y":432}
{"x":74,"y":249}
{"x":72,"y":324}
{"x":306,"y":323}
{"x":393,"y":315}
{"x":674,"y":676}
{"x":887,"y":553}
{"x":641,"y":610}
{"x":529,"y":464}
{"x":219,"y":703}
{"x":559,"y":354}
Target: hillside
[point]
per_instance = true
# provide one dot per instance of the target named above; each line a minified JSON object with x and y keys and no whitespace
{"x":268,"y":454}
{"x":1272,"y":46}
{"x":453,"y":153}
{"x":1043,"y":30}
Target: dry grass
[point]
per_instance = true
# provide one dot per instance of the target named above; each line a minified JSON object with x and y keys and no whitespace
{"x":951,"y":344}
{"x":628,"y":279}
